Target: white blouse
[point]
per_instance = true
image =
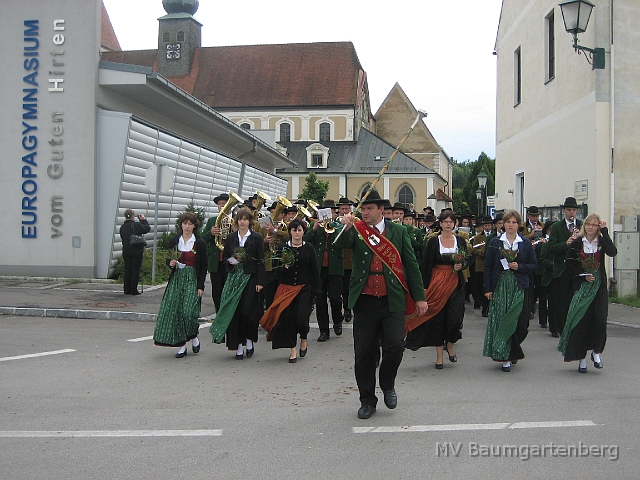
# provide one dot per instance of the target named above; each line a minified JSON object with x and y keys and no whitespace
{"x":509,"y":246}
{"x":589,"y":247}
{"x":188,"y":246}
{"x":444,"y":250}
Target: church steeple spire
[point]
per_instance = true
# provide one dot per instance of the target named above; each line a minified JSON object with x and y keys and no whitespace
{"x":178,"y":37}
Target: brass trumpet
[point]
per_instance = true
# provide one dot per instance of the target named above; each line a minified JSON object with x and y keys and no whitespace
{"x":224,"y":221}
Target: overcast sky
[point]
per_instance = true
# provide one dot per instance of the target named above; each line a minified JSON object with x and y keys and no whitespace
{"x":439,"y":51}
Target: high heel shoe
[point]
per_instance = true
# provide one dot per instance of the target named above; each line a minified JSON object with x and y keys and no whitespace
{"x":453,"y":358}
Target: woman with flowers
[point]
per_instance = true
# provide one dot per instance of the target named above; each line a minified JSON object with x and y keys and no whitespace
{"x":241,"y":300}
{"x":180,"y":307}
{"x":508,"y":264}
{"x":299,"y":277}
{"x":586,"y":325}
{"x":444,"y":258}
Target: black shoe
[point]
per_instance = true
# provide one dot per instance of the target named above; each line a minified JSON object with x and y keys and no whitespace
{"x":239,"y":356}
{"x":596,"y":364}
{"x":391,"y":399}
{"x":337,"y":327}
{"x":531,"y":316}
{"x":181,"y":354}
{"x":292,"y":360}
{"x":303,"y":353}
{"x":485,"y":314}
{"x":477,"y":307}
{"x":506,"y":368}
{"x":582,"y":370}
{"x":250,"y":352}
{"x":453,"y":358}
{"x":365,"y":411}
{"x":195,"y":349}
{"x":555,"y":334}
{"x":136,"y":293}
{"x":347,"y":316}
{"x":323,"y":337}
{"x":439,"y":366}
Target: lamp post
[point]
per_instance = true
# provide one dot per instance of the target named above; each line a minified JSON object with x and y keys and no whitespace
{"x":576,"y":15}
{"x":482,"y":183}
{"x":479,"y":197}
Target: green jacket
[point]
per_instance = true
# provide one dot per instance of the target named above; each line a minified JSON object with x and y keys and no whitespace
{"x":318,"y":239}
{"x":213,"y":251}
{"x":362,"y":256}
{"x":557,"y":249}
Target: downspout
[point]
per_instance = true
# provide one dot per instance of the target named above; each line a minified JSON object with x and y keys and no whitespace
{"x":253,"y":150}
{"x":242,"y":170}
{"x":612,"y":111}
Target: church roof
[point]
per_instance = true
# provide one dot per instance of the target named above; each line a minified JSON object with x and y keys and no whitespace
{"x":354,"y":157}
{"x":266,"y":76}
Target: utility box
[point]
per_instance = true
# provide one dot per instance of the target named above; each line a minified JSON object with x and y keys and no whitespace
{"x":627,"y":283}
{"x":629,"y":223}
{"x":628,"y":245}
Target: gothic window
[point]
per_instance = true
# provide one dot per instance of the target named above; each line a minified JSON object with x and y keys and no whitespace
{"x":405,"y":195}
{"x":166,"y":37}
{"x":180,"y":36}
{"x":364,"y":189}
{"x":325,"y":132}
{"x":285,"y":132}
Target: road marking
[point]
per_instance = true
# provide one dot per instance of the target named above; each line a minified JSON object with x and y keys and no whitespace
{"x":623,"y":324}
{"x":110,"y":433}
{"x":473,"y":426}
{"x":41,"y":354}
{"x":142,"y":339}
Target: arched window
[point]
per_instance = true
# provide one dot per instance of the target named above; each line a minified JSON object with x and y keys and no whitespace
{"x":246,"y":126}
{"x":364,"y":189}
{"x":285,"y":132}
{"x":166,"y":37}
{"x":180,"y":37}
{"x":405,"y":195}
{"x":325,"y":132}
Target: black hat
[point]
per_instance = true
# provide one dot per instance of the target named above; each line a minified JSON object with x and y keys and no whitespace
{"x":533,"y":210}
{"x":247,"y":203}
{"x":409,"y":213}
{"x":400,"y":206}
{"x":222,"y":196}
{"x":329,"y":204}
{"x":344,"y":201}
{"x":427,"y":208}
{"x":484,"y":219}
{"x":421,"y":216}
{"x":429,"y":218}
{"x":498,"y":218}
{"x":570,"y":202}
{"x":291,"y":209}
{"x":300,"y":202}
{"x":386,"y":203}
{"x":273,"y":206}
{"x":374,"y":197}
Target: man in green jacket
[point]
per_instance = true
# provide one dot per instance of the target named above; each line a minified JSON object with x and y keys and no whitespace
{"x":378,"y":300}
{"x":217,"y":269}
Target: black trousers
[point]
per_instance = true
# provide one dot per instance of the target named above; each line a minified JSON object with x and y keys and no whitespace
{"x":371,"y":321}
{"x":270,"y":287}
{"x":559,"y":296}
{"x":132,"y":266}
{"x":543,"y":313}
{"x":217,"y":284}
{"x":346,"y":280}
{"x":332,"y":290}
{"x":479,"y":300}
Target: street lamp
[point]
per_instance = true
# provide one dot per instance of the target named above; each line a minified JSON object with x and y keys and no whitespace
{"x":479,"y":197}
{"x":482,"y":182}
{"x":576,"y":15}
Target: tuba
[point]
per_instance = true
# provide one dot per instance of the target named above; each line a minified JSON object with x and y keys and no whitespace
{"x":224,"y":221}
{"x":280,"y":226}
{"x":262,"y":198}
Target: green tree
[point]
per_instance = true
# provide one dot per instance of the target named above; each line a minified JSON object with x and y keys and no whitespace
{"x":465,"y":182}
{"x":314,"y":189}
{"x":199,"y":212}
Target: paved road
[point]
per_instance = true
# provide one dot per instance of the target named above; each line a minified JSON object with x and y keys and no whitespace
{"x":116,"y":408}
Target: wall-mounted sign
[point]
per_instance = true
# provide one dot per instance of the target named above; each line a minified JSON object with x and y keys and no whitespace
{"x":581,"y":189}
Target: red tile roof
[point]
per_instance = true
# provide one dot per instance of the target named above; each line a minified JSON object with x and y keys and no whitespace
{"x":251,"y":76}
{"x":109,"y":39}
{"x":442,"y":196}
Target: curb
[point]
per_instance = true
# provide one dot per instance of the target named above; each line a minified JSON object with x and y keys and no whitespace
{"x":86,"y":314}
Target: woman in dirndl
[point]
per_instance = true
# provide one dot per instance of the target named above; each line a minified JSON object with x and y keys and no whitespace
{"x":443,"y":260}
{"x":299,"y":278}
{"x":180,"y":307}
{"x":508,"y":264}
{"x":586,"y":325}
{"x":241,"y":305}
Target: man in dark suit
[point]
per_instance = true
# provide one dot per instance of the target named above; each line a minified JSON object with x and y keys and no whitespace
{"x":562,"y":234}
{"x":217,"y":268}
{"x":331,"y":265}
{"x":377,"y":298}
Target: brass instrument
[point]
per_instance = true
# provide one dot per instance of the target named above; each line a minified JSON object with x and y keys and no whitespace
{"x":224,"y":221}
{"x":280,"y":226}
{"x":303,"y":214}
{"x":262,"y":199}
{"x":333,"y":225}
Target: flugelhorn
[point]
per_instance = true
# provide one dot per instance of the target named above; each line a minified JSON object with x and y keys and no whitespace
{"x":224,"y":221}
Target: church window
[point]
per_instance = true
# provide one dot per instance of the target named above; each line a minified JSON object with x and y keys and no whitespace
{"x":285,"y":132}
{"x":325,"y":132}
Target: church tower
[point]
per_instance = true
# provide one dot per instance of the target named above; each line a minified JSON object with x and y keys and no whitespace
{"x":179,"y":35}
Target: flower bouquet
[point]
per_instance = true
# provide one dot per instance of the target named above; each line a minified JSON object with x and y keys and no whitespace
{"x":240,"y":254}
{"x":287,"y":257}
{"x":459,"y":256}
{"x":590,"y":265}
{"x":509,"y":254}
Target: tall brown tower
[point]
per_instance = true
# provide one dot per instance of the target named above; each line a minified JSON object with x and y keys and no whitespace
{"x":179,"y":35}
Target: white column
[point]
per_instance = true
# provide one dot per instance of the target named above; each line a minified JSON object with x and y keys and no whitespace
{"x":386,"y":188}
{"x":342,"y":185}
{"x":295,"y":186}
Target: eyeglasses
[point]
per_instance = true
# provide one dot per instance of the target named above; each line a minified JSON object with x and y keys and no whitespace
{"x":591,"y":225}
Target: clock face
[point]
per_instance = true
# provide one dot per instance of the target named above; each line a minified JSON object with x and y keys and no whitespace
{"x":173,"y":51}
